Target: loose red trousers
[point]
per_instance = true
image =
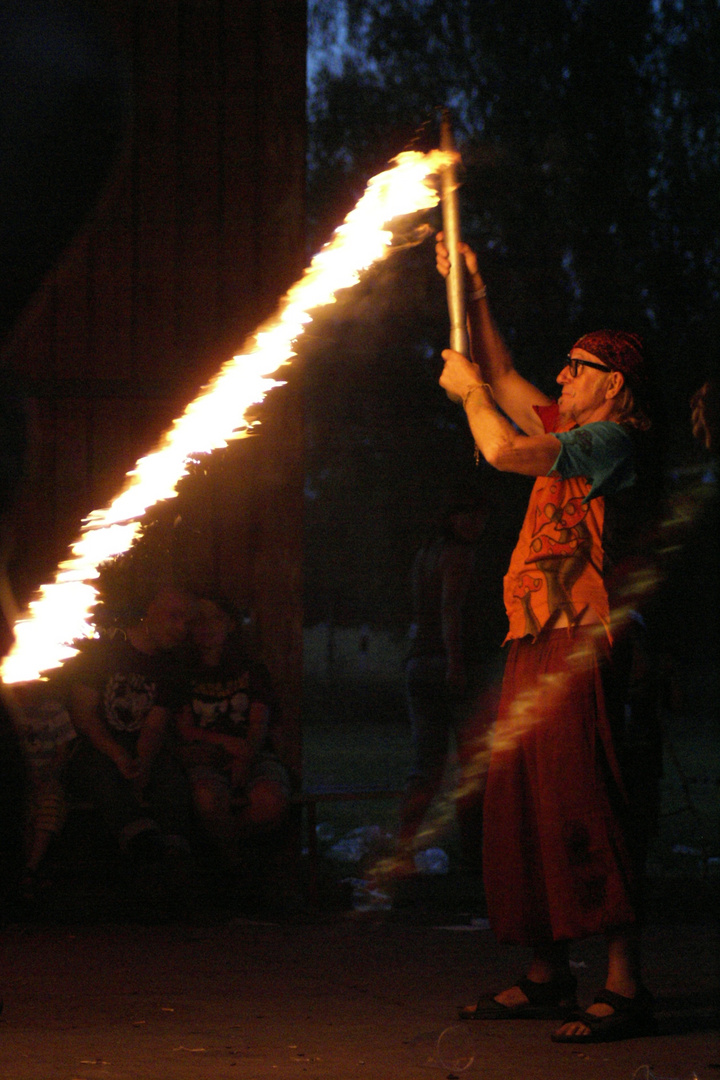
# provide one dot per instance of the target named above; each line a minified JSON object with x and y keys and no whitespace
{"x":556,"y":858}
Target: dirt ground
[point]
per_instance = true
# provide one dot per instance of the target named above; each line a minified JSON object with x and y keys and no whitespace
{"x":334,"y":995}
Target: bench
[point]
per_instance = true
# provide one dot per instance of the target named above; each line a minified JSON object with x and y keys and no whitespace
{"x":307,"y":803}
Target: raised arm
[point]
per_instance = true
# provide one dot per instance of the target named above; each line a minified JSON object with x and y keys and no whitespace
{"x":514,"y":394}
{"x":498,"y":441}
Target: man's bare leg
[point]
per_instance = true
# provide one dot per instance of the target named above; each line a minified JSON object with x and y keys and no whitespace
{"x":623,"y":976}
{"x":549,"y":962}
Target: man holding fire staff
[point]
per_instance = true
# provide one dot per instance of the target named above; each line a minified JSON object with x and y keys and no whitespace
{"x":561,"y":861}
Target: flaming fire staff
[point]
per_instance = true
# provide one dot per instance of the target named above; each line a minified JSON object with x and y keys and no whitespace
{"x":61,"y":613}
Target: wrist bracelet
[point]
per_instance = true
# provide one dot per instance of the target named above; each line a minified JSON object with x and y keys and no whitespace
{"x":477,"y":386}
{"x":478,"y":294}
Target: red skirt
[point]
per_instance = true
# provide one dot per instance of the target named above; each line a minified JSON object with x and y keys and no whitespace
{"x":556,"y":861}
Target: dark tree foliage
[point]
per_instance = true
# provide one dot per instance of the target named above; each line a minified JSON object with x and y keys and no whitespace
{"x":590,"y":137}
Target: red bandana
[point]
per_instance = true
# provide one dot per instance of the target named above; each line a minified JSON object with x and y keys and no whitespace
{"x":619,"y":350}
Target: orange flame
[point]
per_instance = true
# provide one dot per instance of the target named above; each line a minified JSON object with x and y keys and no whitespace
{"x":61,"y":613}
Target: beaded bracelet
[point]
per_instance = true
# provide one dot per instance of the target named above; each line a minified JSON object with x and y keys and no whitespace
{"x":478,"y":294}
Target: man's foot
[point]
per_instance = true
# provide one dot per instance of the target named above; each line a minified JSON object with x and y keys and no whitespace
{"x":611,"y":1017}
{"x":527,"y":1000}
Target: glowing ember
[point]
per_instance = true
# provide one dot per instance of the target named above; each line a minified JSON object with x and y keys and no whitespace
{"x":60,"y":615}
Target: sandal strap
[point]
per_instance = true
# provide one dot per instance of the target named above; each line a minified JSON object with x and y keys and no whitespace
{"x":641,"y":1003}
{"x":549,"y":993}
{"x":586,"y":1018}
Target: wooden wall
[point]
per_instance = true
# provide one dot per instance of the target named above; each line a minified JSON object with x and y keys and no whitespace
{"x":199,"y":232}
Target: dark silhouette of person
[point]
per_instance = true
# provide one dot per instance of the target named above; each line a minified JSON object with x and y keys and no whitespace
{"x":441,"y":675}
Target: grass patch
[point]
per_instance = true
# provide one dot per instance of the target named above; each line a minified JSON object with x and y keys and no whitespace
{"x":356,"y":735}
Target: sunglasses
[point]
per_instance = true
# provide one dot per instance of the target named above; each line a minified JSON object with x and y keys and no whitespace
{"x":574,"y":364}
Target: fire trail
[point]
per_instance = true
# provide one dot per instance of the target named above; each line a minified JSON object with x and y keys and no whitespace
{"x":61,"y":612}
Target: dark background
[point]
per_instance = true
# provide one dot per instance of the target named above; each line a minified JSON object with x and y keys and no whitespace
{"x":152,"y":194}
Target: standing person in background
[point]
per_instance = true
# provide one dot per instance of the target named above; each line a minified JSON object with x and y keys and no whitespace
{"x":559,"y":860}
{"x":705,"y":415}
{"x":442,"y":671}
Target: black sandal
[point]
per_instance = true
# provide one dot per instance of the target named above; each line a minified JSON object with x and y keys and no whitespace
{"x":545,"y":1001}
{"x":631,"y":1018}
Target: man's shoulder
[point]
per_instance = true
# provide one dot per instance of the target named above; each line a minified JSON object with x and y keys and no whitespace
{"x":115,"y":654}
{"x":605,"y":435}
{"x":601,"y":451}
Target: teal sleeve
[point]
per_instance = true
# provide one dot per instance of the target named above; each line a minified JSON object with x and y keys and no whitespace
{"x":602,"y":452}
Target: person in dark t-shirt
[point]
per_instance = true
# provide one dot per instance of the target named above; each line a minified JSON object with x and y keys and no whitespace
{"x":239,"y":786}
{"x":124,"y":693}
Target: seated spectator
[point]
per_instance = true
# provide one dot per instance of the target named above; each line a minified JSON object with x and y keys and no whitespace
{"x":124,"y":691}
{"x":48,"y":736}
{"x":240,"y":788}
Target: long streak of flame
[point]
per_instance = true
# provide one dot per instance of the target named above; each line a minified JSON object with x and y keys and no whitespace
{"x":61,"y":612}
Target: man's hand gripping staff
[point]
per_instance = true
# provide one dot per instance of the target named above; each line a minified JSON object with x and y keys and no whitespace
{"x":494,"y":381}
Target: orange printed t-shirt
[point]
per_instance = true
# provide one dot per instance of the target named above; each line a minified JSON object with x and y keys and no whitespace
{"x":557,"y":564}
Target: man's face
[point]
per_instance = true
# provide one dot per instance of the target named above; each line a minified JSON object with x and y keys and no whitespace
{"x":582,"y":394}
{"x":167,"y":617}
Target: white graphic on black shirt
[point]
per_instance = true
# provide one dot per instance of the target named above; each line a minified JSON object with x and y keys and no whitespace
{"x":129,"y":697}
{"x":224,"y":715}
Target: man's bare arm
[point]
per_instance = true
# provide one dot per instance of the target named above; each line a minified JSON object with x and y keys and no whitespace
{"x":151,"y":738}
{"x":83,"y":707}
{"x":515,"y":395}
{"x":497,"y":440}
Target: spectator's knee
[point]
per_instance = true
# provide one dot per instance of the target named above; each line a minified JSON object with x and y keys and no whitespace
{"x":268,"y":802}
{"x":209,"y":802}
